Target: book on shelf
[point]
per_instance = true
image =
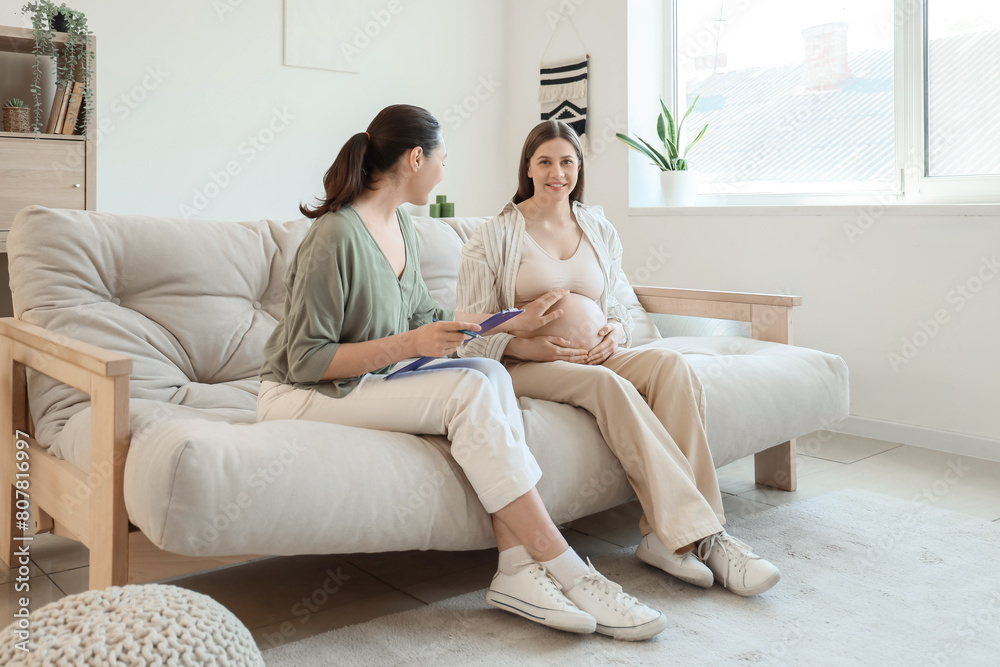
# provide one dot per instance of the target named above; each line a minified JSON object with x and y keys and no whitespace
{"x":73,"y":108}
{"x":63,"y":107}
{"x":57,"y":104}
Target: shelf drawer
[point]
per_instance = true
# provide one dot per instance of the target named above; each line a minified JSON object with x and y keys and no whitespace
{"x":39,"y":171}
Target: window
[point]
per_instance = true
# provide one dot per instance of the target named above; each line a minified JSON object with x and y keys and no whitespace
{"x":818,"y":102}
{"x":963,"y":87}
{"x":798,"y":95}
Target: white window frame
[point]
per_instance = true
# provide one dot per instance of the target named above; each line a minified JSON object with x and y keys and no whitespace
{"x":652,"y":28}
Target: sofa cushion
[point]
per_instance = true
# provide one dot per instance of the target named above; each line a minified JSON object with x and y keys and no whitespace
{"x":191,"y":302}
{"x":440,"y":256}
{"x":760,"y":394}
{"x":207,"y":487}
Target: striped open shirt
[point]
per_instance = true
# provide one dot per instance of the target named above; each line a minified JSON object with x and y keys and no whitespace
{"x":492,"y":257}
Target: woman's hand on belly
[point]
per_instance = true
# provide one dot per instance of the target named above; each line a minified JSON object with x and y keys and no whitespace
{"x":544,"y":348}
{"x":612,"y":334}
{"x":536,"y":314}
{"x":580,"y":323}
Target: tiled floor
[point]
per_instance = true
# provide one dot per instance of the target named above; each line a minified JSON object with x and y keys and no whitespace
{"x":287,"y":599}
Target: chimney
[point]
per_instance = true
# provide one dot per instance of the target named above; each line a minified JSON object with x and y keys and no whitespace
{"x":826,"y":56}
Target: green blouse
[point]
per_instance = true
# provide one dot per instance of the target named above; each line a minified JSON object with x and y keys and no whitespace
{"x":342,"y":289}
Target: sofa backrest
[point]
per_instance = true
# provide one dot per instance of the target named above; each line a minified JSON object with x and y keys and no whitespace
{"x":191,"y":302}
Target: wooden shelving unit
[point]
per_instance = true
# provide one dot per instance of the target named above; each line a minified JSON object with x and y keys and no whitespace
{"x":55,"y":170}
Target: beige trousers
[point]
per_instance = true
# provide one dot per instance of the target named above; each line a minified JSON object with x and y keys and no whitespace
{"x":469,"y":400}
{"x":650,"y":407}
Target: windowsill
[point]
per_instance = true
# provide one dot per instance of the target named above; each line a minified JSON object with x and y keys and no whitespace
{"x":873,"y":209}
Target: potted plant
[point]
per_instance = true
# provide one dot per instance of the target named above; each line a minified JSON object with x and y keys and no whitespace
{"x":45,"y":16}
{"x":679,"y":184}
{"x":16,"y":116}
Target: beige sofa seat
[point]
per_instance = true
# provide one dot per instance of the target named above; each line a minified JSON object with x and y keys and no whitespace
{"x":192,"y":303}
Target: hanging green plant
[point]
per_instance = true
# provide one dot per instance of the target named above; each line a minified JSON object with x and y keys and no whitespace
{"x":74,"y":55}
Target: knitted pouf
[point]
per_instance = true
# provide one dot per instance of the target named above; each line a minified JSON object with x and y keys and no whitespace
{"x":150,"y":624}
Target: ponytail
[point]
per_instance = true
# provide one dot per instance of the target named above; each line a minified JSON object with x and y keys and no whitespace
{"x":368,"y":156}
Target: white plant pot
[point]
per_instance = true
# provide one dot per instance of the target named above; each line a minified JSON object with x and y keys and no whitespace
{"x":679,"y":188}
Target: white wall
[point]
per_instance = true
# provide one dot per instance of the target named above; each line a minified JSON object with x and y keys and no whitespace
{"x":221,"y":81}
{"x":860,"y":298}
{"x":224,"y":78}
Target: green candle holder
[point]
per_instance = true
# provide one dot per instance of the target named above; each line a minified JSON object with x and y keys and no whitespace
{"x":442,"y":208}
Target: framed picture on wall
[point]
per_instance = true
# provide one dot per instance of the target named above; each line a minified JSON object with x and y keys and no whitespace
{"x":335,"y":34}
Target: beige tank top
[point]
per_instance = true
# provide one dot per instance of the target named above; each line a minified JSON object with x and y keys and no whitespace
{"x":540,"y":272}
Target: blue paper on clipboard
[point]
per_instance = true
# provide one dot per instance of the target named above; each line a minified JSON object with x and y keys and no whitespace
{"x":490,"y":323}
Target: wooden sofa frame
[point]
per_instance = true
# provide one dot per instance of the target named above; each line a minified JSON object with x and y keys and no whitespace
{"x":90,"y":508}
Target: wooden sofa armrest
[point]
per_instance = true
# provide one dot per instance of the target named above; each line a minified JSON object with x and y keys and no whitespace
{"x":102,"y":522}
{"x":769,"y":315}
{"x":770,"y":318}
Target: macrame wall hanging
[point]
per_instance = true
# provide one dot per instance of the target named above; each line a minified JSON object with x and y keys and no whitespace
{"x":563,"y":88}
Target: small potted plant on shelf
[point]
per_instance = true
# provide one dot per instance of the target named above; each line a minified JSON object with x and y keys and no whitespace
{"x":16,"y":116}
{"x":679,"y":184}
{"x":46,"y":16}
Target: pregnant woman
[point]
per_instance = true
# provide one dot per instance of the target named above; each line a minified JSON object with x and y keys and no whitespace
{"x":356,"y":305}
{"x":648,"y":402}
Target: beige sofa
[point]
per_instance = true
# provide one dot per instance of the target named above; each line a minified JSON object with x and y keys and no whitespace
{"x":142,"y":339}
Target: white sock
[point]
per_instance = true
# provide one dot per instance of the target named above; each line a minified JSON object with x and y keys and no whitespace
{"x":511,"y":558}
{"x":566,"y":568}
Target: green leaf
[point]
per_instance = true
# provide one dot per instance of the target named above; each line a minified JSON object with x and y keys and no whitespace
{"x":671,"y":128}
{"x":690,"y":109}
{"x":660,"y":129}
{"x":662,"y":162}
{"x":671,"y":140}
{"x":651,"y":153}
{"x":696,"y":140}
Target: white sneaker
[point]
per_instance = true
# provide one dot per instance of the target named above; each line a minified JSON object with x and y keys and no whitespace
{"x":735,"y":566}
{"x":686,"y":568}
{"x":533,"y":594}
{"x":618,"y":614}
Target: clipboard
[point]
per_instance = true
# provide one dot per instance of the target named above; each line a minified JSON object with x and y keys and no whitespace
{"x":487,"y":325}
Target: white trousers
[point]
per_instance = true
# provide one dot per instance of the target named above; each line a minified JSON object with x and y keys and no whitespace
{"x":471,"y":401}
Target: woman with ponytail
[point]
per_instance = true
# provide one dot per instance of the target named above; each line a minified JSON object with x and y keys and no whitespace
{"x":356,"y":306}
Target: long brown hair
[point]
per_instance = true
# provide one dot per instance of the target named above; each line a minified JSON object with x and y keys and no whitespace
{"x":545,"y":131}
{"x":368,"y":156}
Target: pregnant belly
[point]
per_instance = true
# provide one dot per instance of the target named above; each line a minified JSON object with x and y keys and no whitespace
{"x":582,"y":318}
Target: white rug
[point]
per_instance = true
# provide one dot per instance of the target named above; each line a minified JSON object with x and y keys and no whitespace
{"x":866,"y":579}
